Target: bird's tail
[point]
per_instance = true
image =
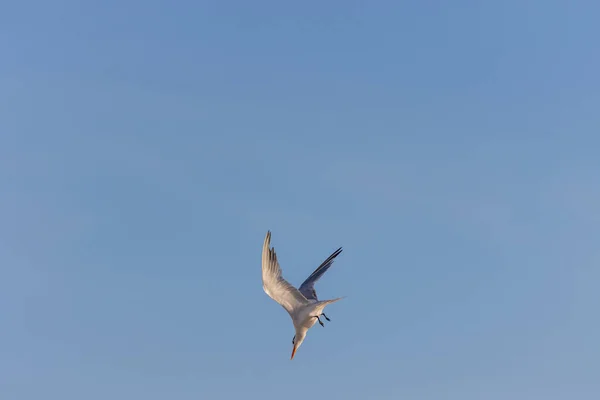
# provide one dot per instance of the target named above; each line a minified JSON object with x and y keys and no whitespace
{"x":320,"y":305}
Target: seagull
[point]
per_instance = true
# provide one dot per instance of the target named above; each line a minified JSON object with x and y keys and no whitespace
{"x":302,"y":304}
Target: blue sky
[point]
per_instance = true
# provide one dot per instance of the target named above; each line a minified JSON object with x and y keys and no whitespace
{"x":451,"y":148}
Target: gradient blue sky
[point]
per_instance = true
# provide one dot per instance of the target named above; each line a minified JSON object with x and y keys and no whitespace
{"x":451,"y":147}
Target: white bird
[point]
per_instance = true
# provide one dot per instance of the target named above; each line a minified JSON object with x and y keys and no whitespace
{"x":302,"y":304}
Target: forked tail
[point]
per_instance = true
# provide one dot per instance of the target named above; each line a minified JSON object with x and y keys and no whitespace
{"x":321,"y":304}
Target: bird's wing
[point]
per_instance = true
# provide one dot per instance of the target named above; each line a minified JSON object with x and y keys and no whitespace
{"x":308,"y":286}
{"x":274,"y":285}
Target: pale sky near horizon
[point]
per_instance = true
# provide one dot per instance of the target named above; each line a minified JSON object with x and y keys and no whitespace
{"x":451,"y":148}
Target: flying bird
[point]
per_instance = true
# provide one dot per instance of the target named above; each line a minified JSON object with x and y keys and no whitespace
{"x":302,"y":304}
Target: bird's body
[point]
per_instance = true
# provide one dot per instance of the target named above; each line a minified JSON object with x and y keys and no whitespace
{"x":302,"y":304}
{"x":305,"y":317}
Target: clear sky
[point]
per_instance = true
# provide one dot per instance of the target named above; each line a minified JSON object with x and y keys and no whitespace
{"x":451,"y":147}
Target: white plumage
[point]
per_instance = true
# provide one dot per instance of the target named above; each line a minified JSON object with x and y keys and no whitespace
{"x":302,"y":304}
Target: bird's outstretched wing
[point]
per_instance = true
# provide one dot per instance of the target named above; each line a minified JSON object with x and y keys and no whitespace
{"x":274,"y":285}
{"x":308,"y":286}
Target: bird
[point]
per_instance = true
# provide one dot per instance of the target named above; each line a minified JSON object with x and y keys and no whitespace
{"x":302,"y":304}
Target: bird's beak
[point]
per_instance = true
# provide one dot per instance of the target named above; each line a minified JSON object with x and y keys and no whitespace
{"x":293,"y":352}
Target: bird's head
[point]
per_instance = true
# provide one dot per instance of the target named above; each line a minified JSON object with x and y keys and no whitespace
{"x":297,"y":342}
